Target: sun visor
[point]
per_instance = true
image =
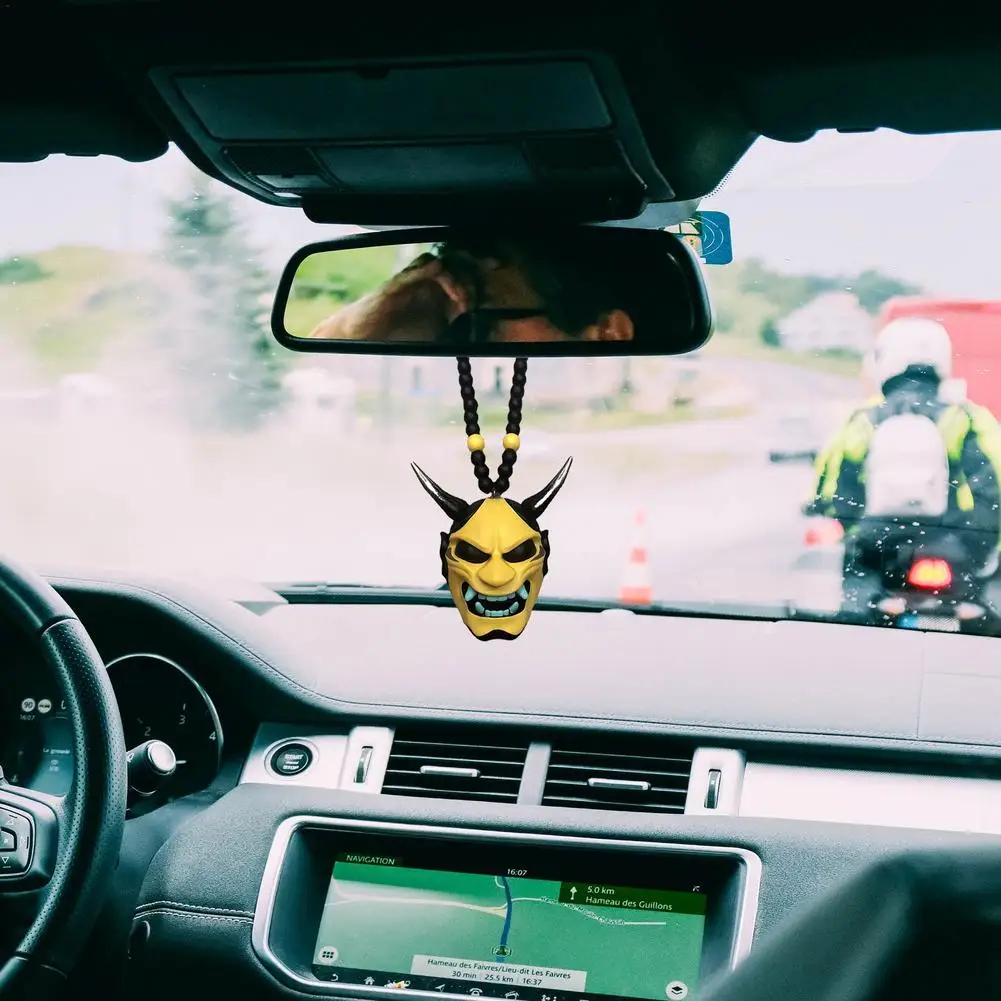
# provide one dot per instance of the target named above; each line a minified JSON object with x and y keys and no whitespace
{"x":411,"y":143}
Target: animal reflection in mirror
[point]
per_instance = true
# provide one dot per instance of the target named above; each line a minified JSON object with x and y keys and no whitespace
{"x":494,"y":556}
{"x":495,"y":289}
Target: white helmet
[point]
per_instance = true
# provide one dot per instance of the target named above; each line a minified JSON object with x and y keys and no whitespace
{"x":913,"y":340}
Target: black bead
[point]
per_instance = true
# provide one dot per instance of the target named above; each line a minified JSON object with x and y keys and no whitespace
{"x":471,"y":420}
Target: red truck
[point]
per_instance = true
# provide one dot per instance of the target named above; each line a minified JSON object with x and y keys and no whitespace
{"x":975,"y":328}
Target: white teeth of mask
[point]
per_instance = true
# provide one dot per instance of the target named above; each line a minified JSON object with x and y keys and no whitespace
{"x":496,"y":606}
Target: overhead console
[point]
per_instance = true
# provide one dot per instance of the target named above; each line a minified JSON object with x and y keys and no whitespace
{"x":410,"y":141}
{"x":366,"y":908}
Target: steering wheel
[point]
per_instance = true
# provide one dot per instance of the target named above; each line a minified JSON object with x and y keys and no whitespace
{"x":70,"y":846}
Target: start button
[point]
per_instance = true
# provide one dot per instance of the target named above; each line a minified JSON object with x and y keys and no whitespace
{"x":291,"y":759}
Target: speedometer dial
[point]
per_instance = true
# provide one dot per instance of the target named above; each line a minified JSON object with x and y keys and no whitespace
{"x":159,"y":700}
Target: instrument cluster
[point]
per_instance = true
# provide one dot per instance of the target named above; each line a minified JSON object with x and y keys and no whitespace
{"x":159,"y":701}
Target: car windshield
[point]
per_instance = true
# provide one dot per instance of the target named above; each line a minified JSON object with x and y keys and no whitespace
{"x":151,"y":424}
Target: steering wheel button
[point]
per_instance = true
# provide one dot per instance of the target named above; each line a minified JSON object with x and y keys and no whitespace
{"x":17,"y":824}
{"x":14,"y":862}
{"x":8,"y":841}
{"x":291,"y":759}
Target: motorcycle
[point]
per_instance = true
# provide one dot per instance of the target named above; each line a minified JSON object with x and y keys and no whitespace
{"x":930,"y":585}
{"x":934,"y":588}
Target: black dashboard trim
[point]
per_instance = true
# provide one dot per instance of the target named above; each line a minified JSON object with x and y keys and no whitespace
{"x":199,"y":869}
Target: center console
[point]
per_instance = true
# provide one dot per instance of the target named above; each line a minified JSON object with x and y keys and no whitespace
{"x":367,"y":909}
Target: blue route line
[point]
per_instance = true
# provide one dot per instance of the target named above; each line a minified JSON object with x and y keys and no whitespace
{"x":502,"y":957}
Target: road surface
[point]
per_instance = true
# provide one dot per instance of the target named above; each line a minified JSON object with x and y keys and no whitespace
{"x":305,"y":511}
{"x":721,"y":522}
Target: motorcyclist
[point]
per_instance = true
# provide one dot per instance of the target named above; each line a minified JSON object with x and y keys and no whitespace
{"x":911,"y":362}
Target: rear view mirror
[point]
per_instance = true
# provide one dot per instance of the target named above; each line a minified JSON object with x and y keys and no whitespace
{"x":569,"y":290}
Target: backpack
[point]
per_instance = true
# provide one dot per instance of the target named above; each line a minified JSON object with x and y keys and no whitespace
{"x":907,"y":471}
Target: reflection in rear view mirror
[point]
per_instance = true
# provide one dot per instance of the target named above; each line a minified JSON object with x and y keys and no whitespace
{"x":573,"y":290}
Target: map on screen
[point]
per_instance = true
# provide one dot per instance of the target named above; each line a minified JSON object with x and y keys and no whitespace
{"x":507,"y":935}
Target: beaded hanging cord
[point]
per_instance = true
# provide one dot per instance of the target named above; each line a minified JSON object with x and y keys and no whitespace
{"x":474,"y":439}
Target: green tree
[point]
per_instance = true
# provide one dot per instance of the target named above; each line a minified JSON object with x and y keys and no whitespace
{"x":769,"y":334}
{"x":18,"y":270}
{"x":747,"y":294}
{"x":232,"y":366}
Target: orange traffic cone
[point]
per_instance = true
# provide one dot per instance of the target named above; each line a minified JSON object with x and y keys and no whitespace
{"x":637,"y":584}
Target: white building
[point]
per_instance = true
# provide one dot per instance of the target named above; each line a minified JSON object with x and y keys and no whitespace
{"x":561,"y":381}
{"x":321,"y":400}
{"x":833,"y":321}
{"x":567,"y":384}
{"x":88,"y":395}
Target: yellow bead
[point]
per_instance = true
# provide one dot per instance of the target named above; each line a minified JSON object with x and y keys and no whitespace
{"x":511,"y":441}
{"x":475,"y":443}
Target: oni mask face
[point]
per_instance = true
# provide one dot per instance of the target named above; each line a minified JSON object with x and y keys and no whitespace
{"x":495,"y":557}
{"x":494,"y":565}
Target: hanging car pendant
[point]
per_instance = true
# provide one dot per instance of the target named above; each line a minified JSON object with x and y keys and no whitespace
{"x":495,"y":556}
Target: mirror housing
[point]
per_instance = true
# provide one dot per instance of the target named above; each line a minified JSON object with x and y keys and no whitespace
{"x":559,"y":290}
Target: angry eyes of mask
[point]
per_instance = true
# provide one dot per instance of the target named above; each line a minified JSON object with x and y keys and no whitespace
{"x":494,"y":565}
{"x":495,"y":557}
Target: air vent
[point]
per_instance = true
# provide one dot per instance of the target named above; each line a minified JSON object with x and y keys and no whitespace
{"x":456,"y":764}
{"x":640,"y":776}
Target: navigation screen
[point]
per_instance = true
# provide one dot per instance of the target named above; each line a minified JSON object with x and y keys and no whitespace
{"x":515,"y":935}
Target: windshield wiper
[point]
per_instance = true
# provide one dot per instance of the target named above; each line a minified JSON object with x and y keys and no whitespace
{"x":323,"y":593}
{"x":332,"y":592}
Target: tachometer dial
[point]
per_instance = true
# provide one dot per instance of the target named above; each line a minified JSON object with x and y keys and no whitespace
{"x":159,"y":700}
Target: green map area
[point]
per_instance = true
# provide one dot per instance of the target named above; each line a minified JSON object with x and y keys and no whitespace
{"x":546,"y":935}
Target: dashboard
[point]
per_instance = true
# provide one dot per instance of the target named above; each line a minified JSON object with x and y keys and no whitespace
{"x":317,"y":839}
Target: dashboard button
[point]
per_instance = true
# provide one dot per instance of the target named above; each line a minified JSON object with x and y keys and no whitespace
{"x":291,"y":759}
{"x":8,"y":841}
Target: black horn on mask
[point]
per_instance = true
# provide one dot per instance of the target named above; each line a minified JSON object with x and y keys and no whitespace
{"x":535,"y":505}
{"x":453,"y":506}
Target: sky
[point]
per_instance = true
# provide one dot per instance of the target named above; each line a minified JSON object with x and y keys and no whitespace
{"x":922,"y":208}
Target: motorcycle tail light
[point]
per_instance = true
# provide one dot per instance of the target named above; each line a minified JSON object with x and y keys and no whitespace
{"x":930,"y":574}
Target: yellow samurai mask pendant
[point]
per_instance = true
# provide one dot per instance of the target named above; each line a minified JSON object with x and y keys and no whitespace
{"x":495,"y":556}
